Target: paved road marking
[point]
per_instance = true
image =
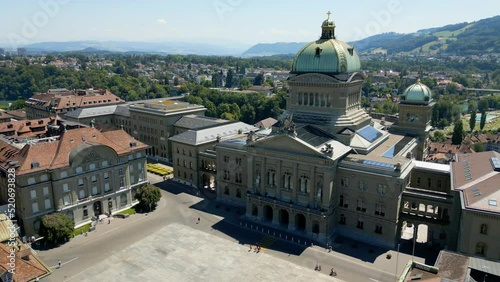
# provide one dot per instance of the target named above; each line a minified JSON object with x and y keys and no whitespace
{"x":65,"y":262}
{"x":375,"y":280}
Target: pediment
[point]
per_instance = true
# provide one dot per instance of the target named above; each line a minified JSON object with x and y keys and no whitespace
{"x":286,"y":144}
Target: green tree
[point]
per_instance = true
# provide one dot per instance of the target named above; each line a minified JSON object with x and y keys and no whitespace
{"x":482,"y":123}
{"x":245,"y":84}
{"x":472,"y":121}
{"x":438,"y":136}
{"x":148,"y":195}
{"x":248,"y":114}
{"x":478,"y":147}
{"x":18,"y":104}
{"x":482,"y":105}
{"x":56,"y":227}
{"x":229,"y":78}
{"x":458,"y":133}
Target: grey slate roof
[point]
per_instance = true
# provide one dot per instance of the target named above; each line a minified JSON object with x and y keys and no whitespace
{"x":92,"y":112}
{"x":195,"y":121}
{"x":205,"y":135}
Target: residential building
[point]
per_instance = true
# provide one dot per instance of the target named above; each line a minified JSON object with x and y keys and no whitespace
{"x":61,"y":101}
{"x":83,"y":173}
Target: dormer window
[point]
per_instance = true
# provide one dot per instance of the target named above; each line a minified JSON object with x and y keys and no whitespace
{"x":318,"y":51}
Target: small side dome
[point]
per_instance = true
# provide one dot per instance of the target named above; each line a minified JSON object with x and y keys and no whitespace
{"x":417,"y":93}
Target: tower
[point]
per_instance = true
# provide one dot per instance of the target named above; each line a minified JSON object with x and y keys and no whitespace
{"x":325,"y":84}
{"x":415,"y":110}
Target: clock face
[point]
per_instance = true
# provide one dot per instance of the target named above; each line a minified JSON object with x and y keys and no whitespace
{"x":411,"y":117}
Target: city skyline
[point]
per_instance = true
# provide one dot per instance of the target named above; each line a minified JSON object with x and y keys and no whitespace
{"x":236,"y":22}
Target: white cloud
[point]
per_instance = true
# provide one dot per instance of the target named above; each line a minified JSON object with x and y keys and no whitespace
{"x":161,"y":21}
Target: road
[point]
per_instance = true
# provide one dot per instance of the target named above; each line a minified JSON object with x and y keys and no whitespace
{"x":180,"y":207}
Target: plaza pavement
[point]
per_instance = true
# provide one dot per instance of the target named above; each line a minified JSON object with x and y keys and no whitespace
{"x":207,"y":250}
{"x":181,"y":253}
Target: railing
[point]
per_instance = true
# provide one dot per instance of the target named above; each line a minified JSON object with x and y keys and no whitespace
{"x":272,"y":200}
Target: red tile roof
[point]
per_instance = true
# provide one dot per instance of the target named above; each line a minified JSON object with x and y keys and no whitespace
{"x":55,"y":154}
{"x":475,"y":176}
{"x":27,"y":266}
{"x":24,"y":128}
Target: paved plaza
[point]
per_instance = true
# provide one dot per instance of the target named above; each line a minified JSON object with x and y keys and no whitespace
{"x":181,"y":253}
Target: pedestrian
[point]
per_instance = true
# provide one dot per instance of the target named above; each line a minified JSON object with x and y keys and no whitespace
{"x":59,"y":264}
{"x":109,"y":221}
{"x":317,"y":266}
{"x":327,"y":247}
{"x":198,"y":220}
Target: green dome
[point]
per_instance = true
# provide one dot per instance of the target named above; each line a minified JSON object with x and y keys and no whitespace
{"x":326,"y":56}
{"x":328,"y":22}
{"x":417,"y":93}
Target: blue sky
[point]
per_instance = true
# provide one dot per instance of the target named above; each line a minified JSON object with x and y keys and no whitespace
{"x":237,"y":22}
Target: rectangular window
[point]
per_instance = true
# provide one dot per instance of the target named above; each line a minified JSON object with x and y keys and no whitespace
{"x":47,"y":204}
{"x":80,"y":182}
{"x":132,"y":180}
{"x":122,"y":182}
{"x":45,"y":191}
{"x":120,"y":172}
{"x":31,"y":180}
{"x":91,"y":166}
{"x":67,"y":200}
{"x":131,"y":168}
{"x":81,"y":194}
{"x":104,"y":163}
{"x":94,"y":179}
{"x":139,"y":166}
{"x":79,"y":169}
{"x":95,"y":191}
{"x":33,"y":194}
{"x":34,"y":207}
{"x":85,"y":211}
{"x":106,"y":175}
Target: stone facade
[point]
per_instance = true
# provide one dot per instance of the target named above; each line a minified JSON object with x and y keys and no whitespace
{"x":86,"y":175}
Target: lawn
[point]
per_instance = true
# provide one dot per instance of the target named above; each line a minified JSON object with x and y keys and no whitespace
{"x":130,"y":211}
{"x":82,"y":229}
{"x":4,"y":104}
{"x":492,"y":125}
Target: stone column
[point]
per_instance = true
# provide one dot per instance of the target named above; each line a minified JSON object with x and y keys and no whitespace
{"x":291,"y":220}
{"x":276,"y":220}
{"x":295,"y":185}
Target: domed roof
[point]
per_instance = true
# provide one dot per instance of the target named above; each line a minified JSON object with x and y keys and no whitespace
{"x":417,"y":93}
{"x":326,"y":55}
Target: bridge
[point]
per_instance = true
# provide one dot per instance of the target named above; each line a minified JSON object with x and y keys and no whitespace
{"x":483,"y":90}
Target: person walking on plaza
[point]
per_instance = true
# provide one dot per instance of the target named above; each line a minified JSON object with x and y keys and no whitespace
{"x":198,"y":220}
{"x":59,"y":264}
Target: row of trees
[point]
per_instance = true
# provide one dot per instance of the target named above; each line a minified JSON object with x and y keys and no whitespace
{"x":245,"y":107}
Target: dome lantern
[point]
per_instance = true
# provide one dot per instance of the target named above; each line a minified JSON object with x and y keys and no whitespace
{"x":328,"y":28}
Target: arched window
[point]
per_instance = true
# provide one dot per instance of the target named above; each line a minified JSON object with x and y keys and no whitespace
{"x":484,"y":229}
{"x":481,"y":249}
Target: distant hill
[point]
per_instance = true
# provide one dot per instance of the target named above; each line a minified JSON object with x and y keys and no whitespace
{"x":181,"y":48}
{"x":268,"y":49}
{"x":478,"y":37}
